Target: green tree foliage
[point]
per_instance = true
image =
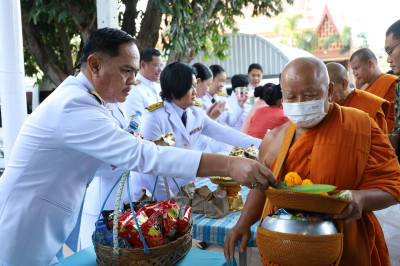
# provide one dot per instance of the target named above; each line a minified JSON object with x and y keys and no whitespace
{"x":363,"y":37}
{"x":287,"y":29}
{"x":346,"y":39}
{"x":307,"y":40}
{"x":54,"y":30}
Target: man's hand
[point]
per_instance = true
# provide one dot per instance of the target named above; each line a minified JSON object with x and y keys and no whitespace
{"x":242,"y":234}
{"x":216,"y":110}
{"x":242,"y":98}
{"x":250,"y":173}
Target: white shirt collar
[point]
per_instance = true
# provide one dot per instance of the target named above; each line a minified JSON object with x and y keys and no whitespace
{"x":177,"y":109}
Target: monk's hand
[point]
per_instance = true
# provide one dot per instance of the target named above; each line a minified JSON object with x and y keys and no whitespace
{"x":250,"y":173}
{"x":353,"y":210}
{"x":241,"y":233}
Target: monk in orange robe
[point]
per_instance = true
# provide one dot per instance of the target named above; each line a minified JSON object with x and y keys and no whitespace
{"x":376,"y":107}
{"x":365,"y":68}
{"x":328,"y":144}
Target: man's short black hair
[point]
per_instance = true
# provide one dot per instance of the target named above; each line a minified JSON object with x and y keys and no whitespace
{"x":395,"y":29}
{"x":203,"y":72}
{"x":216,"y":69}
{"x":105,"y":40}
{"x":239,"y":80}
{"x":176,"y":80}
{"x":255,"y":66}
{"x":146,"y":55}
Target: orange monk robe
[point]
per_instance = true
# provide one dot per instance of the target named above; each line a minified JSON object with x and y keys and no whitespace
{"x":375,"y":106}
{"x":349,"y":150}
{"x":385,"y":87}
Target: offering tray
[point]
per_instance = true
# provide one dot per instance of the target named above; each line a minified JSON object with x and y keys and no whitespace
{"x":232,"y":189}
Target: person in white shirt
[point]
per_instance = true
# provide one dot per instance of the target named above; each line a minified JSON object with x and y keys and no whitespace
{"x":63,"y":142}
{"x":146,"y":90}
{"x":182,"y":115}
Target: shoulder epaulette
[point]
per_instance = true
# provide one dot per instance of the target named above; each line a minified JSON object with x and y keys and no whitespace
{"x":97,"y":97}
{"x":154,"y":106}
{"x":137,"y":82}
{"x":196,"y":103}
{"x":221,"y":94}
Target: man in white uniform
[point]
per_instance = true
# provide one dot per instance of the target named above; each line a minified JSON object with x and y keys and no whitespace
{"x":146,"y":90}
{"x":64,"y":141}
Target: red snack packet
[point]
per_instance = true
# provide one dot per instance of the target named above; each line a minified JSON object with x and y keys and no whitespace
{"x":152,"y":230}
{"x":152,"y":208}
{"x":127,"y":227}
{"x":185,"y":219}
{"x":170,"y":220}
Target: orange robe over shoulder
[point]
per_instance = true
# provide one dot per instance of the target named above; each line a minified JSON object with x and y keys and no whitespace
{"x":349,"y":150}
{"x":385,"y":87}
{"x":375,"y":106}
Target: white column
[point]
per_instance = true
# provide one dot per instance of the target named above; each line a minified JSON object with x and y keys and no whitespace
{"x":12,"y":92}
{"x":107,"y":13}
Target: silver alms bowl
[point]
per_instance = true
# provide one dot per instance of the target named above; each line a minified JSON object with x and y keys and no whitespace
{"x":299,"y":227}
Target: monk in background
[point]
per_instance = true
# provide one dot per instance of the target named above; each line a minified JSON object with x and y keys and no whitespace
{"x":333,"y":145}
{"x":376,"y":107}
{"x":365,"y":68}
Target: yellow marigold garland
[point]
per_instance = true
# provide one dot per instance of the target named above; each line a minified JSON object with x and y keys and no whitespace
{"x":306,"y":182}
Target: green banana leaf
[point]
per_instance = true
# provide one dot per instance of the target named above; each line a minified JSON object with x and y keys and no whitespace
{"x":315,"y":188}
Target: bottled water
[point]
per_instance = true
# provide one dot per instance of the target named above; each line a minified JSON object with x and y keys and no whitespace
{"x":101,"y":234}
{"x":133,"y":124}
{"x":122,"y":242}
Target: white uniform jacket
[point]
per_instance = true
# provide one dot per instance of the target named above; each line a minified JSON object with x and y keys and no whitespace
{"x":165,"y":119}
{"x":55,"y":156}
{"x":143,"y":94}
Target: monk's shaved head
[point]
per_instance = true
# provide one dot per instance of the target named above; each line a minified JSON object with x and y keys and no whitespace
{"x":337,"y":72}
{"x":306,"y":67}
{"x":338,"y":75}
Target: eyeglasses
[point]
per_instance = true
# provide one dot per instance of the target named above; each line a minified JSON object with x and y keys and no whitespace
{"x":390,"y":49}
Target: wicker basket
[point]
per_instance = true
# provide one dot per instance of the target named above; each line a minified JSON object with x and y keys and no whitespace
{"x":163,"y":255}
{"x":306,"y":201}
{"x":296,"y":249}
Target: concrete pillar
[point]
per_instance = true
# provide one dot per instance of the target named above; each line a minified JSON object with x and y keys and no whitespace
{"x":107,"y":13}
{"x":12,"y":92}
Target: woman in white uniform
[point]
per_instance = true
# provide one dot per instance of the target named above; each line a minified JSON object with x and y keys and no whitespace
{"x":181,"y":114}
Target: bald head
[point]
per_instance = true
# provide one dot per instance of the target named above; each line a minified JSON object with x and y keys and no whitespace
{"x":309,"y":68}
{"x":303,"y":75}
{"x":365,"y":67}
{"x":338,"y":75}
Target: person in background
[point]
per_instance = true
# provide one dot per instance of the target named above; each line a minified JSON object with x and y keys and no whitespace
{"x":63,"y":142}
{"x":230,"y":115}
{"x":204,"y":78}
{"x":370,"y":78}
{"x":388,"y":217}
{"x":320,"y":145}
{"x":146,"y":89}
{"x":182,"y":115}
{"x":268,"y":117}
{"x":255,"y":74}
{"x":258,"y":93}
{"x":376,"y":107}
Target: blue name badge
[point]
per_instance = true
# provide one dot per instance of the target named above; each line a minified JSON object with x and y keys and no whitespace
{"x":196,"y":130}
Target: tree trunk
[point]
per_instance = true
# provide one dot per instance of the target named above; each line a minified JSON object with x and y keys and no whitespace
{"x":150,"y":26}
{"x":129,"y":17}
{"x":39,"y":50}
{"x":86,"y":16}
{"x":66,"y":47}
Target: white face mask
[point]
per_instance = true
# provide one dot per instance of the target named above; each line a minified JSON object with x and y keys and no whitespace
{"x":305,"y":114}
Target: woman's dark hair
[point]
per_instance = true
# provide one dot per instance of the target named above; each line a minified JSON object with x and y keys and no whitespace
{"x":176,"y":80}
{"x":203,"y":71}
{"x":105,"y":40}
{"x":270,"y":93}
{"x":216,"y":69}
{"x":239,"y":80}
